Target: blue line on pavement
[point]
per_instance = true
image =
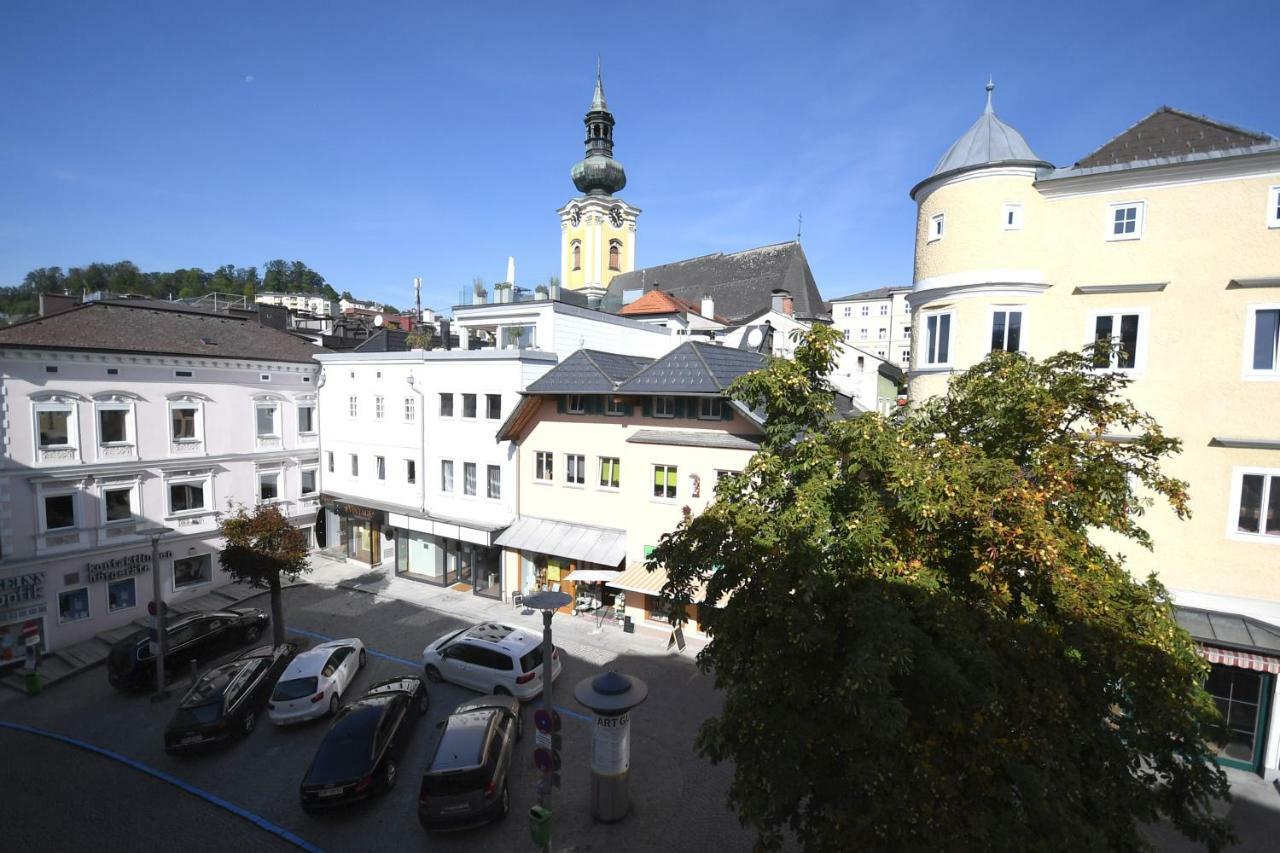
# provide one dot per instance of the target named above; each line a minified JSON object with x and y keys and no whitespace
{"x":413,"y":663}
{"x":260,"y":822}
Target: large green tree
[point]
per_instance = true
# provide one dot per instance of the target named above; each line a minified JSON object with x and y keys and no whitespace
{"x":922,"y":647}
{"x":263,"y":549}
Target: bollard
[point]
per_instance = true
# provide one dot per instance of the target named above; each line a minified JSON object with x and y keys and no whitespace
{"x":540,"y":826}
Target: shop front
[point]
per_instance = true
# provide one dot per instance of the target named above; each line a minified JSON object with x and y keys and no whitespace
{"x":576,"y":559}
{"x":360,"y":530}
{"x":448,"y":553}
{"x":22,"y":615}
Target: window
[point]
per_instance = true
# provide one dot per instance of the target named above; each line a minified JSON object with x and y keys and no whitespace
{"x":1273,"y":207}
{"x":410,"y":408}
{"x":493,"y":485}
{"x":355,"y":465}
{"x":329,"y":453}
{"x":906,"y":356}
{"x":882,"y":334}
{"x":575,"y":469}
{"x":710,"y":408}
{"x":614,"y":406}
{"x":848,"y":310}
{"x":468,"y":405}
{"x":73,"y":605}
{"x":184,"y":423}
{"x":936,"y":227}
{"x":446,"y":405}
{"x":353,"y":406}
{"x":379,"y":408}
{"x":186,"y":496}
{"x":113,"y":425}
{"x":266,"y":422}
{"x":848,"y":333}
{"x":410,"y":471}
{"x":306,"y":418}
{"x":192,"y":571}
{"x":1125,"y":334}
{"x":1006,"y":330}
{"x":575,"y":405}
{"x":268,"y":486}
{"x":121,"y":595}
{"x":308,"y":482}
{"x":544,"y":466}
{"x":906,"y":331}
{"x":938,"y":339}
{"x":862,"y":334}
{"x":615,"y":255}
{"x":54,"y":425}
{"x":493,"y":406}
{"x":575,"y":249}
{"x":664,"y":407}
{"x":446,"y":475}
{"x":117,"y":504}
{"x":1257,"y":511}
{"x":1124,"y":221}
{"x":380,"y":467}
{"x":468,"y":478}
{"x":1262,"y":341}
{"x":866,"y":310}
{"x":1011,"y":217}
{"x":182,"y":374}
{"x":609,"y":472}
{"x":664,"y":481}
{"x":884,"y":310}
{"x":59,"y":512}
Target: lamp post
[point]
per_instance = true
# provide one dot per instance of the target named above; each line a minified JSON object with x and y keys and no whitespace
{"x":162,"y":641}
{"x":548,"y":602}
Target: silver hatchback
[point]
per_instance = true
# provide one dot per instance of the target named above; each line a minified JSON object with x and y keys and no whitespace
{"x":466,"y":782}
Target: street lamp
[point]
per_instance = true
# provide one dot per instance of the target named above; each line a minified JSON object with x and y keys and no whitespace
{"x":548,"y":602}
{"x":162,"y":641}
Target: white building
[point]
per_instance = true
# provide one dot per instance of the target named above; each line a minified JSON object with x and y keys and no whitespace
{"x":349,"y":306}
{"x":307,"y":303}
{"x":878,"y":321}
{"x":118,"y":418}
{"x":552,"y":325}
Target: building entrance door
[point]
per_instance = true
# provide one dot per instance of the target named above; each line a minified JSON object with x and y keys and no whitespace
{"x":1243,"y":699}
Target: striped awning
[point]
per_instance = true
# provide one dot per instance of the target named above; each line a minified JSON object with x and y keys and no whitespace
{"x":636,"y":578}
{"x":1244,"y":660}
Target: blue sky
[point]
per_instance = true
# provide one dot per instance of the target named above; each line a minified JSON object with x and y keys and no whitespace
{"x":379,"y":141}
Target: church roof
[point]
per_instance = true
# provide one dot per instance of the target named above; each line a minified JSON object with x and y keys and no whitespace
{"x":1168,"y":132}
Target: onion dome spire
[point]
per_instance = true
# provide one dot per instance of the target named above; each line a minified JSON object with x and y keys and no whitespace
{"x":598,"y":173}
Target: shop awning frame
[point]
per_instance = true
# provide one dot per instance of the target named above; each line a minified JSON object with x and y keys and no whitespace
{"x":591,"y":576}
{"x":604,"y":546}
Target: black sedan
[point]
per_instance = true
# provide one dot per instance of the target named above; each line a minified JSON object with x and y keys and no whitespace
{"x":131,"y":663}
{"x":224,"y":702}
{"x":359,"y":755}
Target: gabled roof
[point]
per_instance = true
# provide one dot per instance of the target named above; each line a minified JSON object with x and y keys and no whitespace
{"x":124,"y":327}
{"x":588,"y":372}
{"x":693,"y":368}
{"x":740,"y":284}
{"x":1169,"y":132}
{"x":660,"y":302}
{"x":878,"y":293}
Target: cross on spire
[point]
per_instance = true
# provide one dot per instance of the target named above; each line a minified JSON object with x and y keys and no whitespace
{"x":991,"y":86}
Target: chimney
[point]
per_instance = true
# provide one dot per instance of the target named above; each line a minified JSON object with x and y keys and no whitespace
{"x":788,"y":305}
{"x":782,"y":302}
{"x":708,"y":307}
{"x":444,"y":335}
{"x":511,"y":270}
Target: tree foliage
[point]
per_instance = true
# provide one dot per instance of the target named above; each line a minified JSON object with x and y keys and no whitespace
{"x":263,"y":549}
{"x":922,"y":647}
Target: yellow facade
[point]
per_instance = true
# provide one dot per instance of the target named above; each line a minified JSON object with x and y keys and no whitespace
{"x":1204,"y":226}
{"x":595,"y":224}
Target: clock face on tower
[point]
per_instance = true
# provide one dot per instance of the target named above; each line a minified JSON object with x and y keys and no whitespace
{"x":615,"y":216}
{"x":575,"y":216}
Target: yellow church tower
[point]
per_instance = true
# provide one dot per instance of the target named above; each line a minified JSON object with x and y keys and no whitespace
{"x":597,"y":230}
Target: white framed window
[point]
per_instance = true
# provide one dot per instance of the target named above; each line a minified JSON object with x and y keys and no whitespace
{"x":355,"y":465}
{"x":664,"y":407}
{"x":1127,"y":331}
{"x":469,"y":406}
{"x":880,"y":353}
{"x":115,"y":424}
{"x":665,"y":480}
{"x":122,"y":594}
{"x":937,"y":338}
{"x":186,"y":422}
{"x":610,"y":472}
{"x":906,"y":356}
{"x":574,"y":404}
{"x":710,"y":408}
{"x":192,"y":571}
{"x":614,"y":406}
{"x":267,"y":420}
{"x":865,"y":311}
{"x":575,"y":469}
{"x":119,"y":503}
{"x":308,"y":483}
{"x":848,"y":310}
{"x":58,"y":511}
{"x":884,"y":310}
{"x":1262,"y":342}
{"x":353,"y":406}
{"x":73,"y":604}
{"x":55,"y":426}
{"x":410,"y":409}
{"x":493,"y":481}
{"x":1273,"y":207}
{"x":306,"y":418}
{"x":906,"y":332}
{"x":446,"y":475}
{"x":380,"y":467}
{"x":882,"y":334}
{"x":493,"y":406}
{"x":379,"y":408}
{"x":268,"y":486}
{"x":1125,"y":220}
{"x":847,"y":334}
{"x":1011,"y":217}
{"x":469,"y":478}
{"x":410,"y":471}
{"x":1255,"y":505}
{"x":544,"y":466}
{"x":862,"y":334}
{"x":446,"y":405}
{"x":188,"y":495}
{"x":1006,"y":329}
{"x":937,"y":227}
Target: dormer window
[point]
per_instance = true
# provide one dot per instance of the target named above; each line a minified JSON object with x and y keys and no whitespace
{"x":937,"y":225}
{"x":1125,"y":220}
{"x":615,"y":255}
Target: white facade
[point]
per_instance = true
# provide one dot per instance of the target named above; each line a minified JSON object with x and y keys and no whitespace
{"x":558,"y":327}
{"x":306,"y":302}
{"x":98,"y":446}
{"x":878,"y":322}
{"x":347,"y":306}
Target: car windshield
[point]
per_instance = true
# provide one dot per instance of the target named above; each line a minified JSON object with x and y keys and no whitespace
{"x":453,"y":782}
{"x":198,"y":715}
{"x":294,"y":688}
{"x":347,"y":751}
{"x":531,"y":659}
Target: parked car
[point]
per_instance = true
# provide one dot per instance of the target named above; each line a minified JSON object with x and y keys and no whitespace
{"x":466,"y":782}
{"x":359,"y":755}
{"x":131,"y":662}
{"x":313,"y":683}
{"x":491,"y":658}
{"x":225,"y":701}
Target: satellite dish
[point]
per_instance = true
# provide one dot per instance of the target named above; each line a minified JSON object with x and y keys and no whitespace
{"x":377,"y":320}
{"x":755,"y":336}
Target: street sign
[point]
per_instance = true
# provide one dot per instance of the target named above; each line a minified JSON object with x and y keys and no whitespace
{"x":546,"y":721}
{"x":542,"y":760}
{"x":542,"y":740}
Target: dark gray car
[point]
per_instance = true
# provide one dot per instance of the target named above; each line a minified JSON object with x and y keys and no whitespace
{"x":466,"y":782}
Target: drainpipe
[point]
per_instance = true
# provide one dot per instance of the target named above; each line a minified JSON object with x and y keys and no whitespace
{"x":422,"y":445}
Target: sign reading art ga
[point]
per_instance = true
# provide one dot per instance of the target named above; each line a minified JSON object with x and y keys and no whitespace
{"x":123,"y":567}
{"x":20,"y":588}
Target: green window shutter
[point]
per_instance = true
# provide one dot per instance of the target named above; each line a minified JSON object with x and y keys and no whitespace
{"x":627,"y":409}
{"x":679,"y":401}
{"x":726,"y":412}
{"x":646,"y":407}
{"x":560,"y":405}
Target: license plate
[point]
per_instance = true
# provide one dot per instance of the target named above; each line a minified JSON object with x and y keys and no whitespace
{"x":192,"y":739}
{"x":330,"y":792}
{"x":464,"y":807}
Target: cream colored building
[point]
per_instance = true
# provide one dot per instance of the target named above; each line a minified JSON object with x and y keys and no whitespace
{"x":1167,"y":241}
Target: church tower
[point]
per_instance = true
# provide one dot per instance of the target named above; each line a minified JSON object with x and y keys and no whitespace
{"x":597,"y":230}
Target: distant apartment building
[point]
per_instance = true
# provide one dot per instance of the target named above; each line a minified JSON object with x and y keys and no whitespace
{"x":307,"y":303}
{"x":878,"y":321}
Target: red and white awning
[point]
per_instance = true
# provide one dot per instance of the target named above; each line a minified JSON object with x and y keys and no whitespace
{"x":1244,"y":660}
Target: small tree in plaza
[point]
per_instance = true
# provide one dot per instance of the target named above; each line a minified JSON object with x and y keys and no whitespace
{"x":262,"y":548}
{"x":922,"y":647}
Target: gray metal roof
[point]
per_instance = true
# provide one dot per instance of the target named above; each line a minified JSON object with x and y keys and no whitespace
{"x":1229,"y":630}
{"x":878,"y":293}
{"x":693,"y":438}
{"x":605,"y":546}
{"x":693,"y":368}
{"x":588,"y":372}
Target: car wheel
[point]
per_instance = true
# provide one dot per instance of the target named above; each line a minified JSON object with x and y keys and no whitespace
{"x":389,"y":774}
{"x":250,"y":720}
{"x":499,"y":690}
{"x":251,"y":634}
{"x":424,"y":702}
{"x":363,"y":658}
{"x":506,"y":803}
{"x":433,"y":674}
{"x":333,"y":704}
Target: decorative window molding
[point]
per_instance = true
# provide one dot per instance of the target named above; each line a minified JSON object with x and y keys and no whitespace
{"x":186,"y":425}
{"x":1011,"y":217}
{"x":937,"y":227}
{"x":188,"y":495}
{"x":267,"y":431}
{"x":55,"y":423}
{"x":270,"y":484}
{"x":309,"y":481}
{"x":115,"y":429}
{"x":1136,"y":287}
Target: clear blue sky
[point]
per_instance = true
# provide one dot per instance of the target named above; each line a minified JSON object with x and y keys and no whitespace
{"x":379,"y":141}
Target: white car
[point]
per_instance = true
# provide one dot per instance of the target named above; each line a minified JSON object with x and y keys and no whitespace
{"x":314,"y":681}
{"x":491,"y":658}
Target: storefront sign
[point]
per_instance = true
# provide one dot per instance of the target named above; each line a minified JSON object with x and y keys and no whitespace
{"x":354,"y":510}
{"x":123,"y":567}
{"x":611,"y":745}
{"x":21,"y":588}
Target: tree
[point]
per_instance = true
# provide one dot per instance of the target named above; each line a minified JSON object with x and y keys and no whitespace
{"x":262,"y":548}
{"x":922,"y":646}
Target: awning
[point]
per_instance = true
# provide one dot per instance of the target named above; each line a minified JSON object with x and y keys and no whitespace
{"x":639,"y":579}
{"x":1244,"y":660}
{"x":1231,"y":639}
{"x":606,"y":546}
{"x":591,"y":576}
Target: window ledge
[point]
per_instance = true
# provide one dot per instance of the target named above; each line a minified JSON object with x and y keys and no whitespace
{"x":1237,"y":283}
{"x":1245,"y":443}
{"x":1137,"y":287}
{"x":933,"y":368}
